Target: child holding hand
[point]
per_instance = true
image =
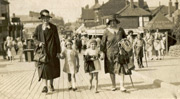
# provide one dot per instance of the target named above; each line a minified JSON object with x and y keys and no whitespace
{"x":71,"y":64}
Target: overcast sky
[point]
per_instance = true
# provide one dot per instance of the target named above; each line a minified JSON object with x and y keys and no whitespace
{"x":70,"y":10}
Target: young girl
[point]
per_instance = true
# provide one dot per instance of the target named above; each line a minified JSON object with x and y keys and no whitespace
{"x":93,"y":54}
{"x":20,"y":49}
{"x":71,"y":64}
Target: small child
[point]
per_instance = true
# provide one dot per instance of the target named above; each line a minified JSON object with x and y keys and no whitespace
{"x":71,"y":64}
{"x":139,"y":45}
{"x":92,"y":55}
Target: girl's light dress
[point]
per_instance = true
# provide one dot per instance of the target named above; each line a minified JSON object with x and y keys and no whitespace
{"x":95,"y":53}
{"x":20,"y":50}
{"x":70,"y":64}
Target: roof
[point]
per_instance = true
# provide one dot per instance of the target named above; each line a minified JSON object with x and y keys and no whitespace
{"x":160,"y":22}
{"x":162,"y":9}
{"x":88,"y":14}
{"x":96,"y":6}
{"x":136,"y":11}
{"x":27,"y":18}
{"x":4,"y":2}
{"x":112,"y":6}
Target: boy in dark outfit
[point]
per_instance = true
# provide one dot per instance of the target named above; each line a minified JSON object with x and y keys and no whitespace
{"x":139,"y":45}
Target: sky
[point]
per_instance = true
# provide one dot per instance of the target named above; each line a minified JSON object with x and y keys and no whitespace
{"x":70,"y":10}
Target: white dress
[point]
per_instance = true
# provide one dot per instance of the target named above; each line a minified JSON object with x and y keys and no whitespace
{"x":20,"y":50}
{"x":95,"y":53}
{"x":70,"y":64}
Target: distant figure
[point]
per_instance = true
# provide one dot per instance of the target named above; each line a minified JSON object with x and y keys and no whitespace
{"x":130,"y":36}
{"x":139,"y":46}
{"x":20,"y":49}
{"x":13,"y":48}
{"x":157,"y":44}
{"x":71,"y":64}
{"x":98,"y":40}
{"x":149,"y":44}
{"x":79,"y":44}
{"x":4,"y":48}
{"x":63,"y":44}
{"x":9,"y":46}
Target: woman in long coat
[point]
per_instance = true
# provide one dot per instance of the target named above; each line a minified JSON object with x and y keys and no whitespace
{"x":46,"y":34}
{"x":109,"y":45}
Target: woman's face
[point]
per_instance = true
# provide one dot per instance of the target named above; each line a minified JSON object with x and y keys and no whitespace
{"x":45,"y":20}
{"x":69,"y":45}
{"x":93,"y":45}
{"x":113,"y":24}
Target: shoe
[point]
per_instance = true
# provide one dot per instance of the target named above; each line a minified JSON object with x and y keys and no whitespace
{"x":123,"y":89}
{"x":142,"y":66}
{"x":74,"y":89}
{"x":45,"y":89}
{"x":70,"y":88}
{"x":96,"y":91}
{"x":52,"y":88}
{"x":113,"y":89}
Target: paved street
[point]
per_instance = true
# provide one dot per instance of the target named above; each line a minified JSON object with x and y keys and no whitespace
{"x":15,"y":79}
{"x":166,"y":70}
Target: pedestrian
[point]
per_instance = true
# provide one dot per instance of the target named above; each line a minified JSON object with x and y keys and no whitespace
{"x":4,"y":48}
{"x":71,"y":64}
{"x":93,"y":54}
{"x":13,"y":48}
{"x":130,"y":36}
{"x":98,"y":40}
{"x":9,"y":46}
{"x":139,"y":46}
{"x":149,"y":44}
{"x":109,"y":45}
{"x":63,"y":44}
{"x":163,"y":44}
{"x":46,"y":35}
{"x":157,"y":44}
{"x":20,"y":49}
{"x":79,"y":44}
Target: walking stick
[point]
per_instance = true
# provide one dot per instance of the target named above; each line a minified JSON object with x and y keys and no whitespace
{"x":131,"y":81}
{"x":32,"y":78}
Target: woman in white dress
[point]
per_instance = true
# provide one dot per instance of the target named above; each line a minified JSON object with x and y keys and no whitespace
{"x":20,"y":49}
{"x":9,"y":46}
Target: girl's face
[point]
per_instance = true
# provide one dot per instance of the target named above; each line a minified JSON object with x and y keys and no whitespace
{"x":69,"y":45}
{"x":93,"y":45}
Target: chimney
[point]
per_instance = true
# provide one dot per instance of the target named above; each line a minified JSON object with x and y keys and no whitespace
{"x":131,"y":4}
{"x":159,"y":3}
{"x":141,"y":3}
{"x":170,"y":8}
{"x":176,"y":4}
{"x":87,"y":7}
{"x":96,"y":1}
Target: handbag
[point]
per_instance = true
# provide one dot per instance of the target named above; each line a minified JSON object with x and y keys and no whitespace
{"x":40,"y":54}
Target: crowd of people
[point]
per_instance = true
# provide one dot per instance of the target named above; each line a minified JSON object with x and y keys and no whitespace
{"x":12,"y":47}
{"x":116,"y":55}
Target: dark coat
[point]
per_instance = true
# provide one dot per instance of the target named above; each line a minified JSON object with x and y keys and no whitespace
{"x":51,"y":69}
{"x":109,"y":45}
